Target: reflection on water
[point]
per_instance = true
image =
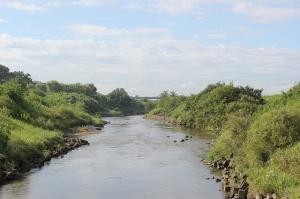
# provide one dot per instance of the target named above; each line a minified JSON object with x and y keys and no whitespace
{"x":131,"y":158}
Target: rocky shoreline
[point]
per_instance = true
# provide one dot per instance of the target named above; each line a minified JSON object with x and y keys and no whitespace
{"x":68,"y":145}
{"x":234,"y":184}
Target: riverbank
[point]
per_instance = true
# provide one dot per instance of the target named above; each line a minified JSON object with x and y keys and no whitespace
{"x":235,"y":184}
{"x":37,"y":161}
{"x":132,"y":159}
{"x":261,"y":133}
{"x":29,"y":147}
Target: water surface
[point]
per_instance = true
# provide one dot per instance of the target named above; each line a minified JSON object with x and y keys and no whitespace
{"x":131,"y":158}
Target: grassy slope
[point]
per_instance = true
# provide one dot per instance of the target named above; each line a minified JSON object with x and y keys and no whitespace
{"x":26,"y":143}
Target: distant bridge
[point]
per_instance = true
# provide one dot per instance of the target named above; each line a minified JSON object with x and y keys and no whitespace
{"x":148,"y":98}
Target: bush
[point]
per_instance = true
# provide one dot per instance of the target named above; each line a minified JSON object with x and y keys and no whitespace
{"x":4,"y":136}
{"x":268,"y":180}
{"x":274,"y":130}
{"x":233,"y":135}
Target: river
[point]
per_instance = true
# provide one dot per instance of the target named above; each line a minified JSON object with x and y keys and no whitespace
{"x":131,"y":158}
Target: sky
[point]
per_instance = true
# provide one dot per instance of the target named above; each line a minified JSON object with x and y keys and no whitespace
{"x":147,"y":46}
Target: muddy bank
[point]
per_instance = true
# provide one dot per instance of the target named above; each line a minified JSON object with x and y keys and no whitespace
{"x":9,"y":172}
{"x":89,"y":130}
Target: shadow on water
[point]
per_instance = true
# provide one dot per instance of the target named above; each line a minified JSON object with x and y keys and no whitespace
{"x":131,"y":158}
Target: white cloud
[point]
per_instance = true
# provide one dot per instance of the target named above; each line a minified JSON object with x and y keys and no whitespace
{"x":3,"y":20}
{"x":94,"y":30}
{"x":148,"y":63}
{"x":265,"y":13}
{"x":22,"y":5}
{"x":215,"y":36}
{"x":93,"y":2}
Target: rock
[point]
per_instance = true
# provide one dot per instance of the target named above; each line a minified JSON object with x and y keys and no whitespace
{"x":220,"y":166}
{"x":174,"y":141}
{"x":214,"y":164}
{"x":226,"y":188}
{"x":226,"y":163}
{"x":168,"y":136}
{"x":269,"y":196}
{"x":274,"y":196}
{"x":182,"y":140}
{"x":218,"y":180}
{"x":244,"y":185}
{"x":259,"y":196}
{"x":242,"y":194}
{"x":235,"y":190}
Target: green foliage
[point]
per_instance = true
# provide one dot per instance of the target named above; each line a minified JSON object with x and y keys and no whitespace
{"x":268,"y":180}
{"x":261,"y":133}
{"x":25,"y":142}
{"x":234,"y":133}
{"x":280,"y":175}
{"x":4,"y":136}
{"x":13,"y":90}
{"x":4,"y":73}
{"x":120,"y":101}
{"x":169,"y":101}
{"x":274,"y":130}
{"x":209,"y":109}
{"x":86,"y":89}
{"x":20,"y":78}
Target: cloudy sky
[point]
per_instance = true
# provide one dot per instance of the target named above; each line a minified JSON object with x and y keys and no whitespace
{"x":147,"y":46}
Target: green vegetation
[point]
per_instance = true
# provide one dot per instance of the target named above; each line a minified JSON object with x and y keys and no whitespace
{"x":33,"y":114}
{"x":261,"y":133}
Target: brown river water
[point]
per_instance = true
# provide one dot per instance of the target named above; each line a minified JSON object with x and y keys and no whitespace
{"x":131,"y":158}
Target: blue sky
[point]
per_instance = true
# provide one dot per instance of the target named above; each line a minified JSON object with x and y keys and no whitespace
{"x":147,"y":46}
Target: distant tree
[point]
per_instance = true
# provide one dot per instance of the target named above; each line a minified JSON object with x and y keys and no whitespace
{"x":164,"y":94}
{"x":4,"y":73}
{"x":13,"y":90}
{"x":54,"y":86}
{"x":20,"y":77}
{"x":119,"y":98}
{"x":40,"y":88}
{"x":4,"y":136}
{"x":90,"y":89}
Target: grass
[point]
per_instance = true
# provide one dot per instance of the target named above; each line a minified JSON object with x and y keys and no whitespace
{"x":27,"y":143}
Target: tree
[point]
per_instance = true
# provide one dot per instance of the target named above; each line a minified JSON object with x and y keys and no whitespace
{"x":4,"y":136}
{"x":20,"y":77}
{"x":4,"y":73}
{"x":54,"y":86}
{"x":13,"y":90}
{"x":119,"y":98}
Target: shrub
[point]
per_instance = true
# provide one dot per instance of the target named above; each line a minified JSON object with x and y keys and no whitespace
{"x":4,"y":136}
{"x":274,"y":130}
{"x":232,"y":137}
{"x":269,"y":180}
